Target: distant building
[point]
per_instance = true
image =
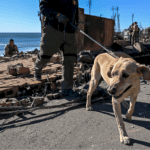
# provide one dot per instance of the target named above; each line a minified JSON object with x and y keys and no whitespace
{"x":145,"y":33}
{"x":126,"y":34}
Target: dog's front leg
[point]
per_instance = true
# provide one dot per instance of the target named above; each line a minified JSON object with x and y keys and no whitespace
{"x":95,"y":77}
{"x":92,"y":86}
{"x":117,"y":111}
{"x":131,"y":108}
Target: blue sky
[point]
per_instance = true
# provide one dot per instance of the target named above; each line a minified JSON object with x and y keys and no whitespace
{"x":21,"y":15}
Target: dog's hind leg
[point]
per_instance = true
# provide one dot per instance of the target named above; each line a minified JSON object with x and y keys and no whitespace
{"x":131,"y":108}
{"x":95,"y":77}
{"x":117,"y":111}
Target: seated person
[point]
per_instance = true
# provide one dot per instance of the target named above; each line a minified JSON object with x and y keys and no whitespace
{"x":11,"y":48}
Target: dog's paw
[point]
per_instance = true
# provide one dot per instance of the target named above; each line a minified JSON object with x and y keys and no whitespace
{"x":125,"y":140}
{"x":129,"y":117}
{"x":89,"y":108}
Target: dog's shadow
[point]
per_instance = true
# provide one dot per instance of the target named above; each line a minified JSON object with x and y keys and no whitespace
{"x":142,"y":110}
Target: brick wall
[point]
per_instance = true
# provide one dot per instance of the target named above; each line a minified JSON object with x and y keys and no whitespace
{"x":100,"y":29}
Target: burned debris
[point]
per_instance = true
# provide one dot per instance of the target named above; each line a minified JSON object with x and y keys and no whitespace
{"x":22,"y":91}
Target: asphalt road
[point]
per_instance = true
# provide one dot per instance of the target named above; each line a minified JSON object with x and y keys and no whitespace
{"x":77,"y":128}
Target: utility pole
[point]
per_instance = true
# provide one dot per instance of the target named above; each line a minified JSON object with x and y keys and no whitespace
{"x":90,"y":7}
{"x":115,"y":22}
{"x":113,"y":15}
{"x":118,"y":27}
{"x":118,"y":23}
{"x":113,"y":12}
{"x":117,"y":16}
{"x":132,"y":18}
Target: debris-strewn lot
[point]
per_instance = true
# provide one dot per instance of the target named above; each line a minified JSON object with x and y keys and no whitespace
{"x":17,"y":77}
{"x":67,"y":127}
{"x":76,"y":128}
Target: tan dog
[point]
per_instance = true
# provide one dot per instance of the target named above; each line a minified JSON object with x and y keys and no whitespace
{"x":122,"y":75}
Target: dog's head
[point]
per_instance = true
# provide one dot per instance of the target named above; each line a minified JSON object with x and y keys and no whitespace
{"x":125,"y":75}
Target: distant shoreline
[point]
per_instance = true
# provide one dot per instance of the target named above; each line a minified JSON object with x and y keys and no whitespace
{"x":20,"y":32}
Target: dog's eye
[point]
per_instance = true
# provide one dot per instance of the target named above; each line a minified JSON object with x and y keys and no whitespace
{"x":113,"y":74}
{"x":124,"y":75}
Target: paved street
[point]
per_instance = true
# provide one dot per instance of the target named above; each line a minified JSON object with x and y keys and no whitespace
{"x":77,"y":128}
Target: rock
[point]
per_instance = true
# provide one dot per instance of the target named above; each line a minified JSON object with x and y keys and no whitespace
{"x":59,"y":76}
{"x":24,"y":92}
{"x":52,"y":78}
{"x":35,"y":51}
{"x":8,"y":104}
{"x":53,"y":86}
{"x":23,"y":70}
{"x":34,"y":58}
{"x":38,"y":100}
{"x":18,"y":93}
{"x":12,"y":70}
{"x":83,"y":92}
{"x":23,"y":102}
{"x":19,"y":65}
{"x":81,"y":66}
{"x":2,"y":104}
{"x":86,"y":58}
{"x":138,"y":47}
{"x":49,"y":96}
{"x":77,"y":69}
{"x":21,"y":52}
{"x":55,"y":58}
{"x":59,"y":83}
{"x":86,"y":52}
{"x":11,"y":99}
{"x":35,"y":85}
{"x":15,"y":103}
{"x":116,"y":47}
{"x":17,"y":69}
{"x":57,"y":95}
{"x":4,"y":100}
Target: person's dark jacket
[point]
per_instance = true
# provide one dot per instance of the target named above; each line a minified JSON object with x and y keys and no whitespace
{"x":50,"y":8}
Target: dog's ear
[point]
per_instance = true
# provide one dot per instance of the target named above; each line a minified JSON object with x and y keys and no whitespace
{"x":143,"y":71}
{"x":109,"y":71}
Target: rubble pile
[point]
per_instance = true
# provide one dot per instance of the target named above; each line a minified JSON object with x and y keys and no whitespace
{"x":17,"y":69}
{"x":17,"y":85}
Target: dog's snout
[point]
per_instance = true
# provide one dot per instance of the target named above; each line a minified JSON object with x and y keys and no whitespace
{"x":112,"y":90}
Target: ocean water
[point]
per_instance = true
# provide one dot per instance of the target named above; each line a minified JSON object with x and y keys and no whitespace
{"x":24,"y":41}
